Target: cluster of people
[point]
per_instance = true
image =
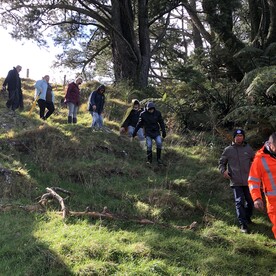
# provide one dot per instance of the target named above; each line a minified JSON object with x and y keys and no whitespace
{"x":252,"y":178}
{"x":145,"y":123}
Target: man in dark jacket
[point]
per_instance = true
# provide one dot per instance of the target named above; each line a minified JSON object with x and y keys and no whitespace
{"x":131,"y":121}
{"x":96,"y":106}
{"x":234,"y":164}
{"x":14,"y":87}
{"x":151,"y":119}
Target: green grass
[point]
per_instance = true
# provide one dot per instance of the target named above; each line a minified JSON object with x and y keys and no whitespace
{"x":107,"y":170}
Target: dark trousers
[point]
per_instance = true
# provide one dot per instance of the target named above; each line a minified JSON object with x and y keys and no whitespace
{"x":14,"y":99}
{"x":244,"y":203}
{"x":42,"y":106}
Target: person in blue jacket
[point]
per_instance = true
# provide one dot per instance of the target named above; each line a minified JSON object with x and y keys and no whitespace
{"x":96,"y":104}
{"x":152,"y":121}
{"x":45,"y":95}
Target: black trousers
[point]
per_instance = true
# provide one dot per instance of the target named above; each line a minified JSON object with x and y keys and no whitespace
{"x":14,"y":99}
{"x":42,"y":106}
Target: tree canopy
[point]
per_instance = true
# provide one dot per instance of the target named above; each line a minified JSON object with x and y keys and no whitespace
{"x":141,"y":40}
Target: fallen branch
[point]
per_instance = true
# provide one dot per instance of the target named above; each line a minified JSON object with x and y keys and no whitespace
{"x":60,"y":200}
{"x":105,"y":214}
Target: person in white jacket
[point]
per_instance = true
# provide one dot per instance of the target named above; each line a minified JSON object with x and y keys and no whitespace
{"x":45,"y":97}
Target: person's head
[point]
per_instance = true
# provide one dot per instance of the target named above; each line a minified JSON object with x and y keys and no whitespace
{"x":101,"y":89}
{"x":239,"y":136}
{"x":18,"y":68}
{"x":78,"y":81}
{"x":46,"y":78}
{"x":135,"y":104}
{"x":150,"y":107}
{"x":272,"y":142}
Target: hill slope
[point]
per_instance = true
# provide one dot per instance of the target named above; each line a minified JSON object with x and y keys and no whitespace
{"x":104,"y":171}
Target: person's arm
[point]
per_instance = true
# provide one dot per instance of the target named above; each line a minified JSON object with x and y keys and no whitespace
{"x":93,"y":101}
{"x":139,"y":125}
{"x":7,"y":79}
{"x":53,"y":96}
{"x":38,"y":89}
{"x":126,"y":121}
{"x":162,"y":125}
{"x":223,"y":161}
{"x":254,"y":184}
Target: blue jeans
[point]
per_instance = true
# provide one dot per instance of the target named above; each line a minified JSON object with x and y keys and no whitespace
{"x":244,"y":203}
{"x":72,"y":110}
{"x":97,"y":120}
{"x":140,"y":133}
{"x":158,"y":142}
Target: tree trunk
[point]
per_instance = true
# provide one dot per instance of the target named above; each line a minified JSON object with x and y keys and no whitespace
{"x":131,"y":62}
{"x":219,"y":16}
{"x":196,"y":34}
{"x":271,"y":36}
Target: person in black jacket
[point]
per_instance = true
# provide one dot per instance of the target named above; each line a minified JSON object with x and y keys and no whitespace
{"x":96,"y":106}
{"x":131,"y":121}
{"x":151,"y":119}
{"x":13,"y":82}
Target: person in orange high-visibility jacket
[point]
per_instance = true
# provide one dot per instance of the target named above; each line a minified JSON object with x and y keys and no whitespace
{"x":263,"y":175}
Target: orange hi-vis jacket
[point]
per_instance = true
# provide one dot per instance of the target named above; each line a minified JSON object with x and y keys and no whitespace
{"x":263,"y":174}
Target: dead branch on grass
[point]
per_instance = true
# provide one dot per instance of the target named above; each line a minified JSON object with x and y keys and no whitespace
{"x":105,"y":214}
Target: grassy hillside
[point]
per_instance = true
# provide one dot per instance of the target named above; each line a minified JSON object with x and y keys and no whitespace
{"x":105,"y":171}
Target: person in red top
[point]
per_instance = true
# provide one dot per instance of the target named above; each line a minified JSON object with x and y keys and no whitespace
{"x":72,"y":100}
{"x":263,"y":175}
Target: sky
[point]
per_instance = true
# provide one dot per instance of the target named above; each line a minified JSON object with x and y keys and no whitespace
{"x":27,"y":54}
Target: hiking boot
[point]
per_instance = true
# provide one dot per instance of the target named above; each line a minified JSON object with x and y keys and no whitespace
{"x":244,"y":228}
{"x":160,"y":162}
{"x":149,"y":156}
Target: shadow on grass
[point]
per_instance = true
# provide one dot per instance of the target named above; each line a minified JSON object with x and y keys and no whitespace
{"x":21,"y":253}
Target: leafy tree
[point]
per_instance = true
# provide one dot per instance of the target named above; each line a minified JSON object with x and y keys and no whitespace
{"x":93,"y":26}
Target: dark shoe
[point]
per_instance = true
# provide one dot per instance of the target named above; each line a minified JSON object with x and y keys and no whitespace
{"x":149,"y":156}
{"x":244,"y":228}
{"x":74,"y":120}
{"x":69,"y":121}
{"x":160,"y":162}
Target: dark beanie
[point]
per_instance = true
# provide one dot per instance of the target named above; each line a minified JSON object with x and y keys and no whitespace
{"x":238,"y":131}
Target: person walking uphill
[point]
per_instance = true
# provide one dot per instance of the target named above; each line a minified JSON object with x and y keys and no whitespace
{"x":263,"y":174}
{"x":72,"y":100}
{"x":234,"y":164}
{"x":13,"y":82}
{"x":45,"y":95}
{"x":151,"y":119}
{"x":96,"y":106}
